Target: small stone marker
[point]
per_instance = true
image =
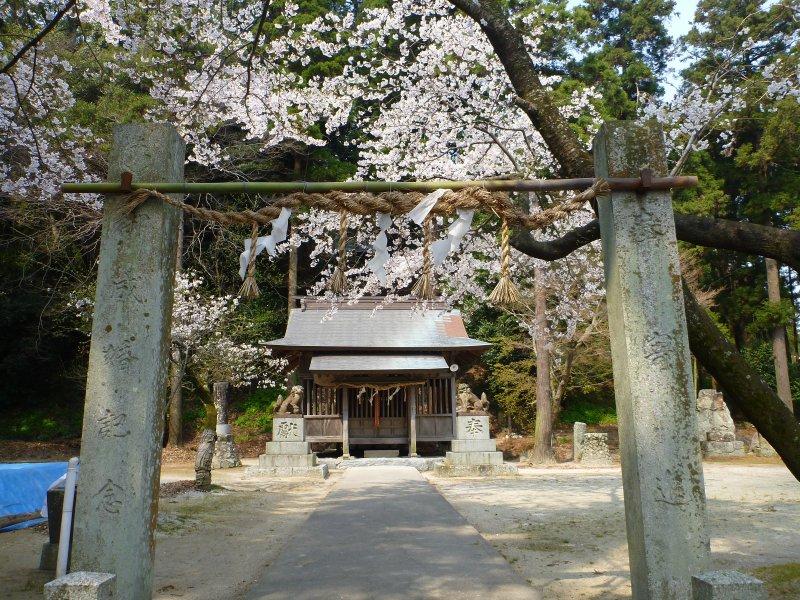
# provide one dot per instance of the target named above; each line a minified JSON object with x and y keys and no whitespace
{"x":595,"y":450}
{"x":82,"y":585}
{"x":578,"y":433}
{"x":727,"y":585}
{"x":225,"y":454}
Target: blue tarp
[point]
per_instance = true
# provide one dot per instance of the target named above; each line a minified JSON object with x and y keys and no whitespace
{"x":23,"y":488}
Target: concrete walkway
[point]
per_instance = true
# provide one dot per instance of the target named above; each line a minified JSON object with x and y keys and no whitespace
{"x":385,"y":532}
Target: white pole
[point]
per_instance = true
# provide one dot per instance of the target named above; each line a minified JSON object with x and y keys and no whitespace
{"x":66,"y":517}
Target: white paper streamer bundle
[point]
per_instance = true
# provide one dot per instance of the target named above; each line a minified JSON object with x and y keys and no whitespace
{"x":377,"y":263}
{"x":280,"y":228}
{"x":455,"y":233}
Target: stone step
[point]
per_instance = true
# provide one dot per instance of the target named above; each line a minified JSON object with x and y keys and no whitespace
{"x":381,"y":453}
{"x":473,"y":445}
{"x":450,"y":470}
{"x":474,"y":458}
{"x":318,"y":471}
{"x":288,"y":448}
{"x":287,"y":460}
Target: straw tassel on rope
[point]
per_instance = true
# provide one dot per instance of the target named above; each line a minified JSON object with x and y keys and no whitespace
{"x":338,"y":283}
{"x":424,"y":288}
{"x":249,"y":288}
{"x":505,"y":294}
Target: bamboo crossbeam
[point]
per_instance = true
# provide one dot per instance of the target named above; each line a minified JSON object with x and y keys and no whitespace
{"x":283,"y":187}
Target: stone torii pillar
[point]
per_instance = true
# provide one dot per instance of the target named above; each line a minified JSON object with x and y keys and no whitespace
{"x":123,"y":422}
{"x":665,"y":505}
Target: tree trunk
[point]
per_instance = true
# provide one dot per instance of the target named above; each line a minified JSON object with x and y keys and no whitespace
{"x":779,"y":351}
{"x":176,"y":368}
{"x":175,"y":429}
{"x":543,"y":434}
{"x":291,"y":291}
{"x":748,"y":393}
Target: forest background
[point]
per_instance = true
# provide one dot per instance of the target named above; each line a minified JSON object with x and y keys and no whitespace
{"x":335,"y":90}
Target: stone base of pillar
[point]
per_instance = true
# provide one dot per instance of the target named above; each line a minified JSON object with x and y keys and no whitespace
{"x":473,"y":453}
{"x":225,"y":454}
{"x":288,"y":458}
{"x":82,"y":585}
{"x":727,"y":585}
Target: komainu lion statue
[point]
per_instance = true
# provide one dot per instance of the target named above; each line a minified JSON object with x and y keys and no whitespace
{"x":292,"y":405}
{"x":467,"y":402}
{"x":202,"y":463}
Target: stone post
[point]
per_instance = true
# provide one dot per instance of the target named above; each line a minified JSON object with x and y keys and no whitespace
{"x":123,"y":421}
{"x":225,"y":454}
{"x":578,"y":434}
{"x":662,"y":473}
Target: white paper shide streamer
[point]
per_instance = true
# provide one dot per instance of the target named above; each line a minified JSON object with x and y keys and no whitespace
{"x":455,"y":233}
{"x":280,"y":229}
{"x":421,"y":210}
{"x":377,"y":264}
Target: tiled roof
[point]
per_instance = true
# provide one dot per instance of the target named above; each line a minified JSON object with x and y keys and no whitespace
{"x":386,"y":329}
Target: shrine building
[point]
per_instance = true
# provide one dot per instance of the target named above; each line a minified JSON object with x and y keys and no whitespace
{"x":375,"y":373}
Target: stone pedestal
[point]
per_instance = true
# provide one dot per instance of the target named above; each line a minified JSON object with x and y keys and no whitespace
{"x":225,"y":454}
{"x":727,"y":585}
{"x":82,"y":585}
{"x":578,"y":433}
{"x":288,"y":455}
{"x":473,"y":452}
{"x":595,"y":450}
{"x":715,"y":426}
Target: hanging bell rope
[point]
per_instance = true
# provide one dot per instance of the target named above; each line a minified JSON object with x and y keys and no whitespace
{"x":338,"y":283}
{"x":249,"y":289}
{"x":505,"y":294}
{"x":424,"y":288}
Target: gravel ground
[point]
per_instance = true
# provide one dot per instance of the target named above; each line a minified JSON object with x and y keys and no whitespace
{"x":208,"y":545}
{"x":563,"y":528}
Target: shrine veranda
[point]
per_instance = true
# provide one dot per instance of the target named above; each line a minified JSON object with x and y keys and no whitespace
{"x":664,"y":495}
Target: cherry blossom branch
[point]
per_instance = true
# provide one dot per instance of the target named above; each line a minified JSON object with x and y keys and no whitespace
{"x":38,"y":37}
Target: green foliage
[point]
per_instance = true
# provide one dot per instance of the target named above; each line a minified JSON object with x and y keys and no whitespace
{"x":625,"y":44}
{"x":41,"y":423}
{"x":759,"y":357}
{"x":256,"y":411}
{"x":591,"y":414}
{"x":771,"y":315}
